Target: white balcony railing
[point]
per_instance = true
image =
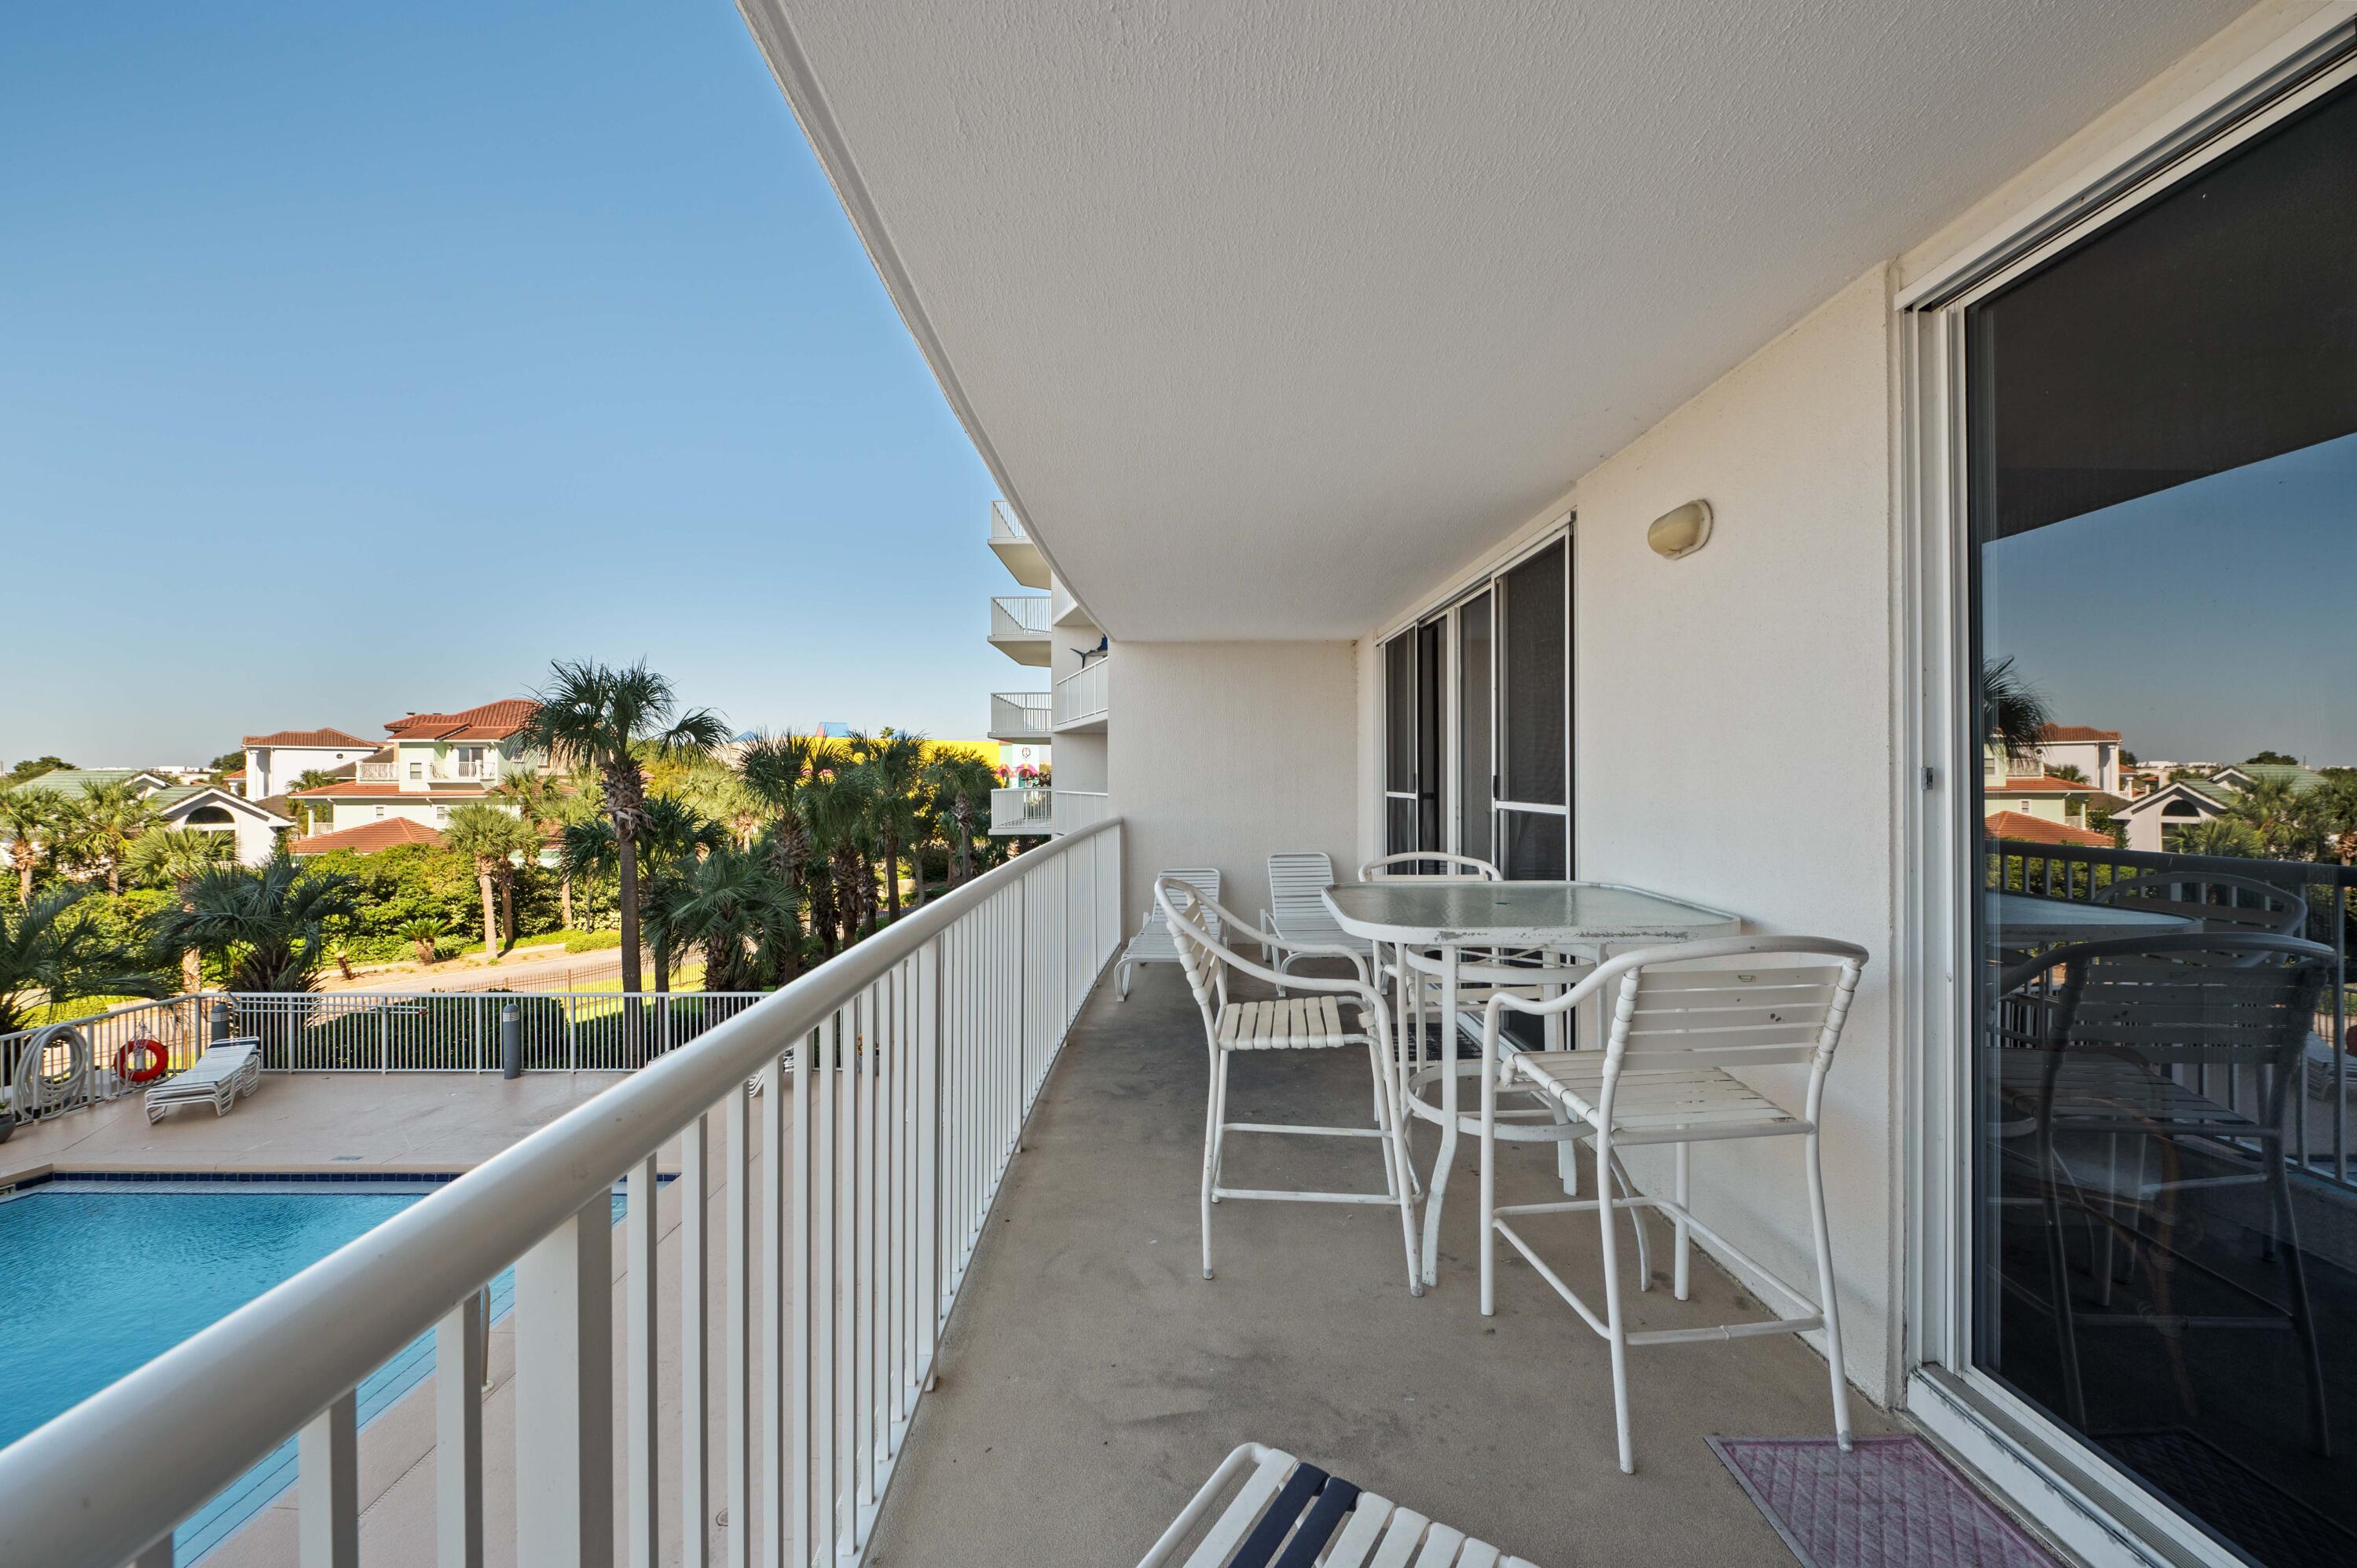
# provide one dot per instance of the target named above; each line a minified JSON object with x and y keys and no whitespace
{"x":1076,"y":809}
{"x":1084,"y":694}
{"x":1026,"y":809}
{"x":1018,"y":617}
{"x":1003,"y":523}
{"x":379,"y":772}
{"x":1019,"y":716}
{"x":891,"y":1084}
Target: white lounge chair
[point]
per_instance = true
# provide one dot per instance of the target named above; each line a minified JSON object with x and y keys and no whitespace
{"x":1277,"y":1503}
{"x":1297,"y":908}
{"x":227,"y":1069}
{"x":1154,"y":943}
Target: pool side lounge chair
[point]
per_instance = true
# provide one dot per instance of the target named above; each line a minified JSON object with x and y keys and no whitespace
{"x":1153,"y":942}
{"x":1297,"y":907}
{"x":227,"y":1069}
{"x":1280,"y":1504}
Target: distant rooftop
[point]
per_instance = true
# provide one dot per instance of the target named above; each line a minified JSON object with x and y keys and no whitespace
{"x":312,"y":737}
{"x":491,"y":720}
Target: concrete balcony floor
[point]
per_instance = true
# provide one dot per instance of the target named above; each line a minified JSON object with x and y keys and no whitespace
{"x":1092,"y":1378}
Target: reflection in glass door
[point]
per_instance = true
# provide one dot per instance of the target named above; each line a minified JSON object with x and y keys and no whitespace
{"x":1535,"y":717}
{"x":2162,"y":430}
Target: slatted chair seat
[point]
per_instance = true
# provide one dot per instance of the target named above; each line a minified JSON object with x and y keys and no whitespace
{"x":1658,"y":1105}
{"x":1287,"y":1023}
{"x":2098,"y":1095}
{"x":1282,"y":1512}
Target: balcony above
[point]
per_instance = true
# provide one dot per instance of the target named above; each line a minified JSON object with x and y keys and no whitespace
{"x":1025,"y":809}
{"x":1015,"y":549}
{"x":1019,"y":628}
{"x":1070,"y":612}
{"x":1083,"y":697}
{"x":1020,"y":716}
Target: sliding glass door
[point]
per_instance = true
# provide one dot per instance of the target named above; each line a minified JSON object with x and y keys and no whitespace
{"x":1476,"y":749}
{"x":2162,"y":437}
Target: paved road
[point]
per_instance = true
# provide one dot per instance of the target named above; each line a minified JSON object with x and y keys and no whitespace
{"x":561,"y":971}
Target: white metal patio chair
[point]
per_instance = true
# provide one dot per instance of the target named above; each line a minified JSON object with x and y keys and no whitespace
{"x":1681,"y":1017}
{"x":1262,"y":1502}
{"x":227,"y":1069}
{"x":1154,"y":943}
{"x":1296,"y":911}
{"x":1310,"y":1023}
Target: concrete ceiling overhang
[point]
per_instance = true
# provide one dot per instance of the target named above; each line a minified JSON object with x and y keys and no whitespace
{"x":1268,"y":314}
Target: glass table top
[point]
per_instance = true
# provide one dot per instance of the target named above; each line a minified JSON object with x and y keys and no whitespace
{"x":1446,"y":913}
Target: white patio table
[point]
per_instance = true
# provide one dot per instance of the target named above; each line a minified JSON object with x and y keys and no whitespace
{"x":1579,"y":919}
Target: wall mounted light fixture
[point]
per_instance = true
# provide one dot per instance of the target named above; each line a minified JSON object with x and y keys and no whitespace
{"x":1680,"y":533}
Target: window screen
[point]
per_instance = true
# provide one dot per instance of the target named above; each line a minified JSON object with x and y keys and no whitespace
{"x":1532,"y":677}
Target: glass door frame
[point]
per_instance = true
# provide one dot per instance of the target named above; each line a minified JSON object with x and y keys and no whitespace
{"x":1447,"y":615}
{"x":2070,"y":1488}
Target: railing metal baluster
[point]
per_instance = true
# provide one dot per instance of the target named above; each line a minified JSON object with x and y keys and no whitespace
{"x":737,"y":1245}
{"x":644,"y":1542}
{"x":823,"y":1267}
{"x":842,"y":1495}
{"x":798,"y":1491}
{"x":327,"y":1486}
{"x":695,"y":1185}
{"x":863,"y":1343}
{"x":565,"y":1394}
{"x":777,"y":1193}
{"x":458,"y":1436}
{"x":930,"y":1129}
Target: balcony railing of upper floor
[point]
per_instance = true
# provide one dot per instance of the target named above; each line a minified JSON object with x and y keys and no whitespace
{"x":1083,"y":696}
{"x":1015,"y":548}
{"x":1019,"y":616}
{"x":1020,"y":716}
{"x":888,"y":1089}
{"x":1023,"y":809}
{"x":1074,"y":810}
{"x":379,"y":772}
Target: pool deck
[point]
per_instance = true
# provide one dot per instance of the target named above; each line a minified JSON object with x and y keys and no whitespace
{"x":305,"y":1124}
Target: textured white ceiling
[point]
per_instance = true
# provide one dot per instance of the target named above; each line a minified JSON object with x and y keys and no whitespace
{"x":1269,"y":313}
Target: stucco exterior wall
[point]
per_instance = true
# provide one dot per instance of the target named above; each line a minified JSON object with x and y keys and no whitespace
{"x":1735,"y":742}
{"x":1222,"y":753}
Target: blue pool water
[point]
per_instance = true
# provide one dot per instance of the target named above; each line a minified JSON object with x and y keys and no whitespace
{"x":98,"y":1278}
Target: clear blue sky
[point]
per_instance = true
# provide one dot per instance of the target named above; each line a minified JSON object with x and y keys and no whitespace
{"x":360,"y":358}
{"x":2204,"y":623}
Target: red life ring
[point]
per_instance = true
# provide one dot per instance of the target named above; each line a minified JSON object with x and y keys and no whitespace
{"x":155,"y":1065}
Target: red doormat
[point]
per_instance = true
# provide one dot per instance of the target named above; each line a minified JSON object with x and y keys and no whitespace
{"x":1890,"y":1502}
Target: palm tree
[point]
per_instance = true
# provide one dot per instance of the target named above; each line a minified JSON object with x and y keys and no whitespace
{"x":962,"y":786}
{"x":48,"y":956}
{"x":2223,"y":836}
{"x":28,"y":820}
{"x":421,"y":935}
{"x":833,"y":807}
{"x":731,"y":904}
{"x":774,"y":769}
{"x":895,"y":767}
{"x":491,"y":836}
{"x":2013,"y":714}
{"x":2273,"y":811}
{"x":674,"y":837}
{"x":174,"y":856}
{"x":2333,"y":806}
{"x":543,"y":801}
{"x":101,"y":822}
{"x":266,"y":922}
{"x":593,"y":716}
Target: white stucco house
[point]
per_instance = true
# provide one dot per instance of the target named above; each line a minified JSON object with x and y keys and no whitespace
{"x":427,"y":766}
{"x":252,"y":825}
{"x":273,"y":761}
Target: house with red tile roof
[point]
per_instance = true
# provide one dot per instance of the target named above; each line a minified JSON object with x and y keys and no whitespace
{"x":428,"y":765}
{"x":2023,"y":828}
{"x":273,"y":761}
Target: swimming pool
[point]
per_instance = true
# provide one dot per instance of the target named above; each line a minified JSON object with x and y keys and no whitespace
{"x":100,"y":1276}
